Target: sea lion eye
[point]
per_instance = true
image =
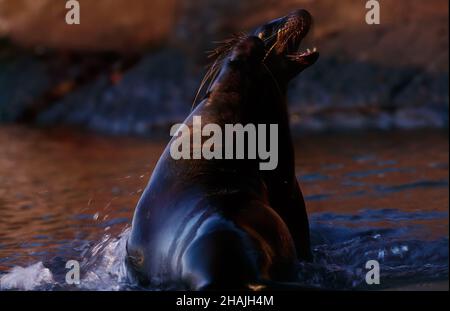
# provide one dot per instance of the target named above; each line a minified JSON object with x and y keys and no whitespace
{"x":136,"y":260}
{"x":134,"y":257}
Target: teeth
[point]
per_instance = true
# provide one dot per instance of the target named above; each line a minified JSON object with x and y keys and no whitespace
{"x":308,"y":51}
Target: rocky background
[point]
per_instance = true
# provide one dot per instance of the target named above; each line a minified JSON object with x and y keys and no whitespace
{"x":133,"y":67}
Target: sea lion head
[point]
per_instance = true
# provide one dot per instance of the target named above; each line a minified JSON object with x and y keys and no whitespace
{"x":280,"y":41}
{"x":282,"y":38}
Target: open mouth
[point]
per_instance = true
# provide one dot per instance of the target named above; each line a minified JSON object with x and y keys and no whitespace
{"x":306,"y":53}
{"x":284,"y":37}
{"x":304,"y":57}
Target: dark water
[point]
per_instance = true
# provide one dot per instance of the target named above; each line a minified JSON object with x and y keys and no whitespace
{"x":70,"y":196}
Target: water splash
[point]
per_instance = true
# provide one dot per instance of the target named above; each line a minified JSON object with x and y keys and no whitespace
{"x":369,"y":196}
{"x":28,"y":278}
{"x":340,"y":253}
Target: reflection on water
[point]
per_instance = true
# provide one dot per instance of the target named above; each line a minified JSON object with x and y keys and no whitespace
{"x":370,"y":196}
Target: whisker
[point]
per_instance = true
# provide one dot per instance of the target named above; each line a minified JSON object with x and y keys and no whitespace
{"x":214,"y":75}
{"x":202,"y":84}
{"x":218,"y":54}
{"x":268,"y":52}
{"x":274,"y":80}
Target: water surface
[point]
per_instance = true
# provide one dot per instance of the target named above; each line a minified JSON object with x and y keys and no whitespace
{"x":66,"y":195}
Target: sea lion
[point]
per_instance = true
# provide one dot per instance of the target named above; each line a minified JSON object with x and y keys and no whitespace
{"x":226,"y":224}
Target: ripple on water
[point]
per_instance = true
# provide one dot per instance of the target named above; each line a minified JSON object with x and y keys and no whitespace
{"x":340,"y":255}
{"x":382,"y":197}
